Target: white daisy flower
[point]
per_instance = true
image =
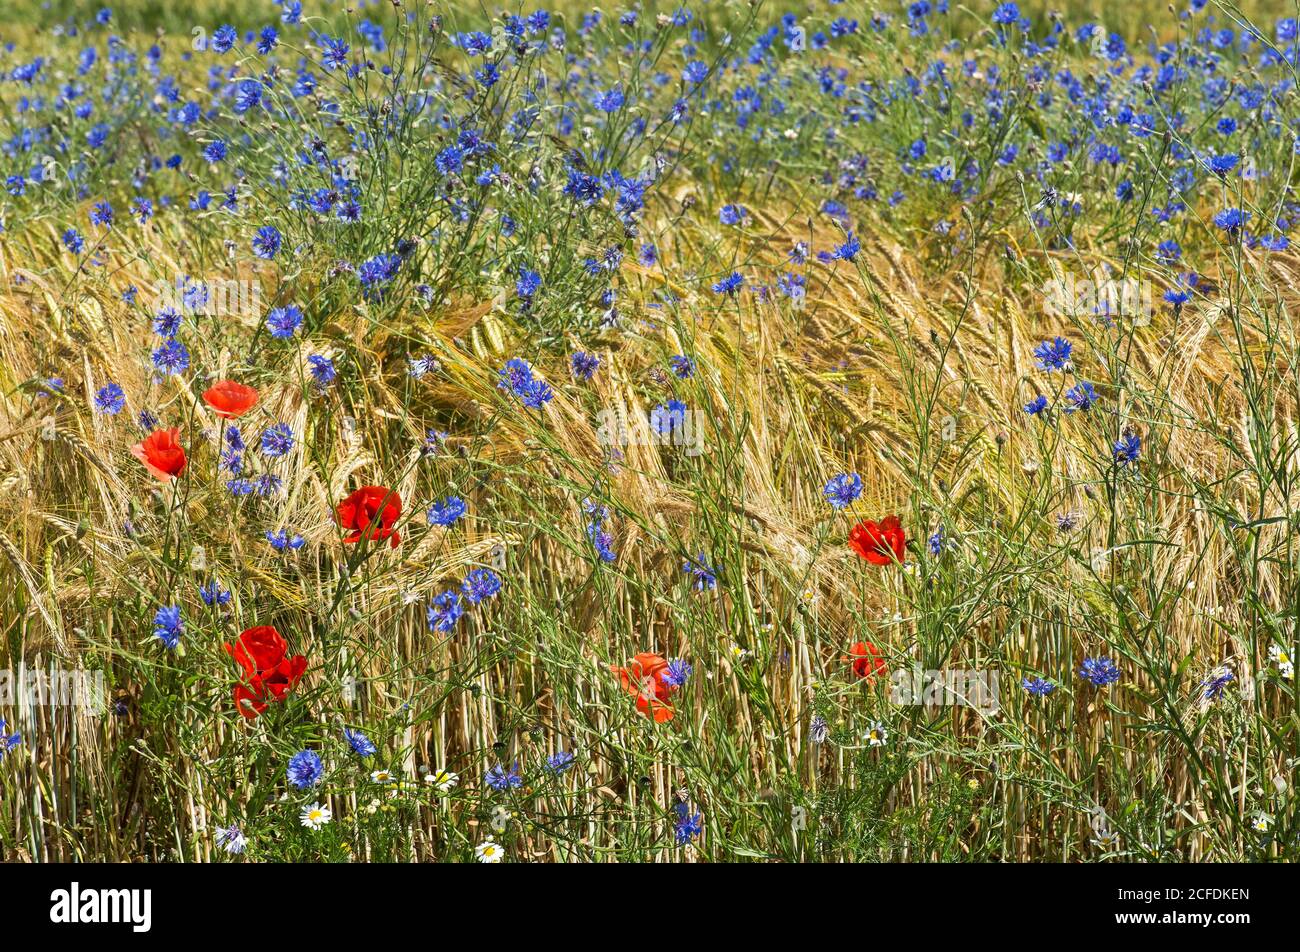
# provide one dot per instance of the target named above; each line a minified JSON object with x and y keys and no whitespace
{"x":444,"y":780}
{"x":1282,"y":658}
{"x":1106,"y":840}
{"x":876,"y":734}
{"x":383,"y":777}
{"x":489,"y":852}
{"x":315,"y":816}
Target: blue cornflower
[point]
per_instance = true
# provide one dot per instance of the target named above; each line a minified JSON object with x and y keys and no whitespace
{"x":334,"y":52}
{"x":1006,"y":13}
{"x":322,"y":200}
{"x":1037,"y":686}
{"x":602,"y":540}
{"x":322,"y":370}
{"x":1216,"y":684}
{"x":450,"y":160}
{"x":848,"y":250}
{"x":559,"y":762}
{"x":610,"y":100}
{"x":172,"y":357}
{"x":1081,"y":397}
{"x":283,"y":321}
{"x":101,"y":213}
{"x":683,"y":366}
{"x":688,"y":825}
{"x":267,"y":39}
{"x":267,"y":484}
{"x":277,"y":440}
{"x":517,"y":377}
{"x":434,"y":442}
{"x":215,"y":151}
{"x":359,"y":742}
{"x":1231,"y":220}
{"x":73,"y":241}
{"x":584,"y":364}
{"x":446,"y":512}
{"x":231,"y":839}
{"x":480,"y":584}
{"x":937,"y":541}
{"x":281,"y":540}
{"x":705,"y":576}
{"x":167,"y":322}
{"x":444,"y":611}
{"x":1223,"y":164}
{"x":195,"y":296}
{"x":695,"y":72}
{"x":213,"y":594}
{"x":266,"y":243}
{"x":583,"y":188}
{"x":110,"y":399}
{"x":223,"y":38}
{"x":733,"y":214}
{"x":168,"y":626}
{"x":1053,"y":354}
{"x":730,"y":284}
{"x":669,"y":417}
{"x":8,"y":742}
{"x":1036,"y":405}
{"x":498,"y":778}
{"x":842,"y":491}
{"x":476,"y":43}
{"x":528,"y":284}
{"x":1099,"y":671}
{"x":305,"y":769}
{"x":677,"y":673}
{"x":1128,"y":448}
{"x":378,"y":271}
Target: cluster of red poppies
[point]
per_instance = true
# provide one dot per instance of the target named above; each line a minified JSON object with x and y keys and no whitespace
{"x":368,"y":513}
{"x":269,"y":672}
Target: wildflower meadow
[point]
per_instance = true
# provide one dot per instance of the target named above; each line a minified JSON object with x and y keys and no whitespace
{"x":674,"y":431}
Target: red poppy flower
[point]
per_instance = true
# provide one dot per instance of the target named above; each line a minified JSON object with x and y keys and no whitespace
{"x":867,"y":662}
{"x":268,"y":674}
{"x":230,"y":399}
{"x":643,"y":679}
{"x":161,"y":454}
{"x":370,"y":513}
{"x":879,"y":543}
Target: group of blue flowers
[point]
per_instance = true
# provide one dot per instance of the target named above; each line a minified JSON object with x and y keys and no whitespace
{"x":447,"y":607}
{"x":1055,"y":355}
